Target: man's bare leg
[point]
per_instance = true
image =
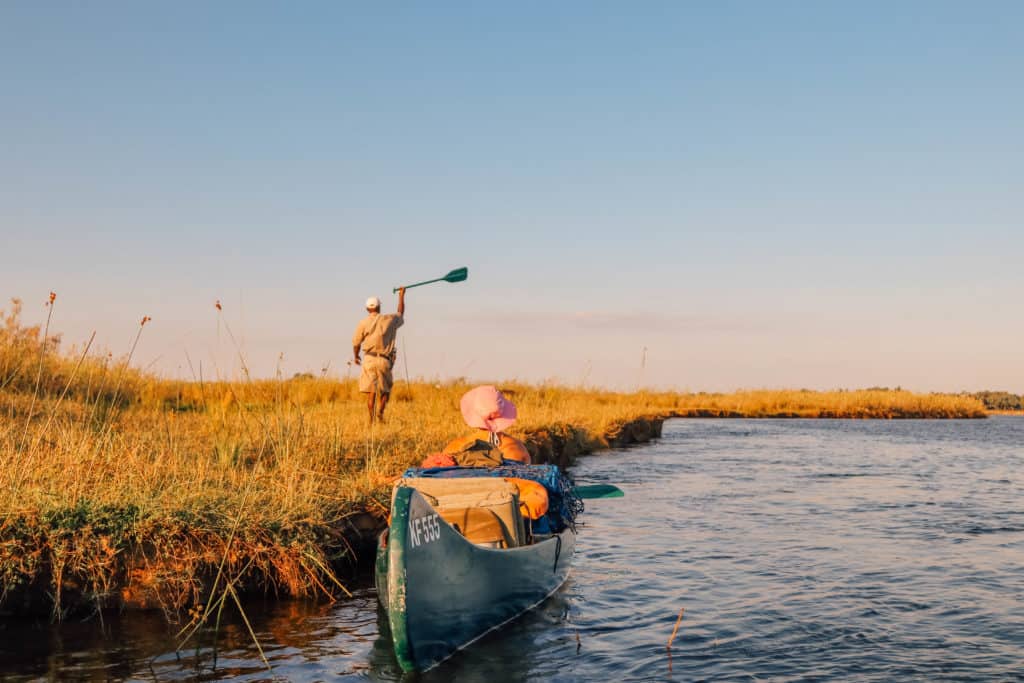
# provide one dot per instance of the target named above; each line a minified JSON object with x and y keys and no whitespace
{"x":383,"y":405}
{"x":371,"y":399}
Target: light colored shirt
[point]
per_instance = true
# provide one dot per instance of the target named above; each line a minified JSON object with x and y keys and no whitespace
{"x":376,"y":333}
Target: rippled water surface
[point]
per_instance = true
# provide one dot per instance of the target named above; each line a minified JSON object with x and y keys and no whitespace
{"x":800,"y":550}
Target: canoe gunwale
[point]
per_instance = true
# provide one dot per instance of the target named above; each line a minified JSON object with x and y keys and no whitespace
{"x":396,"y":579}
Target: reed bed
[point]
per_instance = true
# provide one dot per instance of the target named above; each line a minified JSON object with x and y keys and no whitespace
{"x":858,"y":404}
{"x":119,"y":487}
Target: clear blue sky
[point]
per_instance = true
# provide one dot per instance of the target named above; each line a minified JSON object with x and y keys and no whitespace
{"x":761,"y":194}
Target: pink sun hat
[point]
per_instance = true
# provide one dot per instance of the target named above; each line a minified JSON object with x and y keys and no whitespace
{"x":486,"y":408}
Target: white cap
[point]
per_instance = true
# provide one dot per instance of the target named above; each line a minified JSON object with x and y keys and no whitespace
{"x":373,"y":302}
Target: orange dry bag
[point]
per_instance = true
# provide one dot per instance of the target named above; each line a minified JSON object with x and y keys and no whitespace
{"x":533,"y":498}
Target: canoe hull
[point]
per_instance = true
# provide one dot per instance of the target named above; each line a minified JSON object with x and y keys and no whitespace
{"x":442,"y":592}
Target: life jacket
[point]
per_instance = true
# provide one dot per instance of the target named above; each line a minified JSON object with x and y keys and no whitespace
{"x":510,"y":447}
{"x":476,"y":453}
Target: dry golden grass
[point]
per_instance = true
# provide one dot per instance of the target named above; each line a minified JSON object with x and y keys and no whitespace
{"x":262,"y":472}
{"x":864,"y":403}
{"x":118,"y":485}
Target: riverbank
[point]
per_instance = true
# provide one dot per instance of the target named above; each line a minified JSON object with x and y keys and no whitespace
{"x":275,"y":489}
{"x":279,"y":487}
{"x":150,"y":517}
{"x":883,"y":404}
{"x":119,"y":489}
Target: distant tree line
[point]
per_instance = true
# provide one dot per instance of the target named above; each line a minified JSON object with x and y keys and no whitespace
{"x":1000,"y":400}
{"x":993,"y":400}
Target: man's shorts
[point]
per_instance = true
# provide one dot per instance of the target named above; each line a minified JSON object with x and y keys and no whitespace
{"x":376,"y":375}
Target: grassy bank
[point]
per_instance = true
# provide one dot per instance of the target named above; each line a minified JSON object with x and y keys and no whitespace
{"x":142,"y":502}
{"x":117,"y":487}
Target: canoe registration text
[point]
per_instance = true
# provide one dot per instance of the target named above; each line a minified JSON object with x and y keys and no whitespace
{"x":424,"y":530}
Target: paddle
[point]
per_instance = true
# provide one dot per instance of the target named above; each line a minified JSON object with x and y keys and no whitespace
{"x":599,"y":491}
{"x":457,"y":275}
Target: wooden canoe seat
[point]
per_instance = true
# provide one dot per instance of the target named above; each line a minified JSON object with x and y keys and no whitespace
{"x":480,"y":525}
{"x":483,"y":509}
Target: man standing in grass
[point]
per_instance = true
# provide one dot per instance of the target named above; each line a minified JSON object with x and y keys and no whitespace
{"x":375,"y":334}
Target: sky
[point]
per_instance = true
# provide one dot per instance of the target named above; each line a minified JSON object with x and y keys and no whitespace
{"x":696,"y":196}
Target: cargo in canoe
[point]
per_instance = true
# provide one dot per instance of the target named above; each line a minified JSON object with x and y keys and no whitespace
{"x":458,"y":561}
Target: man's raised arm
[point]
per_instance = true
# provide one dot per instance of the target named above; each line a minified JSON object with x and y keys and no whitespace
{"x":401,"y":302}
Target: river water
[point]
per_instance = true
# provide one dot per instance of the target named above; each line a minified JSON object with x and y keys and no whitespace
{"x":799,"y":550}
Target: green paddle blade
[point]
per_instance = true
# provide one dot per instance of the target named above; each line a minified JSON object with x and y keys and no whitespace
{"x":599,"y":491}
{"x":457,"y":275}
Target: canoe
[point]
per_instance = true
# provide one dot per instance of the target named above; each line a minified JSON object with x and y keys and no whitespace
{"x":442,"y":591}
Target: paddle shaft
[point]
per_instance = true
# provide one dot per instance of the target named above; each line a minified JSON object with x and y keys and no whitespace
{"x":425,"y":282}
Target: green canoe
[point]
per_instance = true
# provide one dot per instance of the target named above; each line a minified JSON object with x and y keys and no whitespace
{"x":441,"y":590}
